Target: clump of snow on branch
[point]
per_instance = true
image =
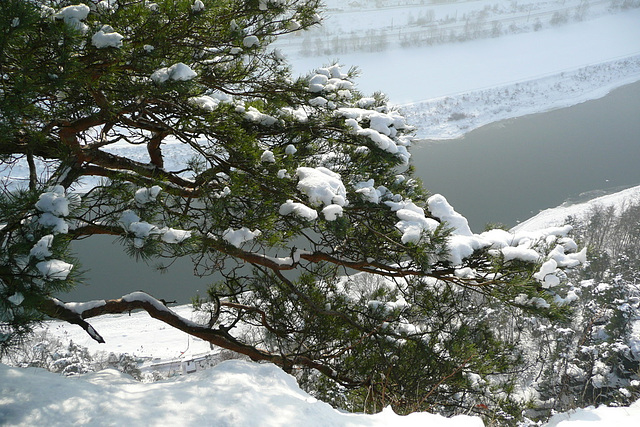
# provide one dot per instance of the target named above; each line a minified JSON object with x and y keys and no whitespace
{"x":143,"y":230}
{"x":322,"y":186}
{"x":54,"y":204}
{"x":382,"y":129}
{"x":73,"y":15}
{"x":177,"y":72}
{"x":41,"y":249}
{"x":250,"y":41}
{"x":413,"y":223}
{"x":439,"y":207}
{"x":211,"y":101}
{"x":146,"y":195}
{"x":238,"y":237}
{"x":107,"y":37}
{"x":329,"y":79}
{"x":254,"y":115}
{"x":16,"y":299}
{"x":171,"y":235}
{"x":332,"y":212}
{"x":368,"y":192}
{"x":267,"y":157}
{"x":54,"y":269}
{"x":299,"y":209}
{"x":197,"y":6}
{"x":105,"y":5}
{"x":290,"y":150}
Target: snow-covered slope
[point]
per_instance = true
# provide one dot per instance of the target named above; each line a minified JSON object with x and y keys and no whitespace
{"x":556,"y":216}
{"x":234,"y":393}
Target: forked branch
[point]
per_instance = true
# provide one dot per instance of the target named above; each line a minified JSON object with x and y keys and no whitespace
{"x":76,"y":313}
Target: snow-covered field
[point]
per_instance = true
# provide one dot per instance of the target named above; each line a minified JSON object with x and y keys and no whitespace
{"x":445,"y":89}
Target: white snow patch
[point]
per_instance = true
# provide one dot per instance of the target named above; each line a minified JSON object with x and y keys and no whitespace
{"x":331,"y":212}
{"x":298,"y":209}
{"x":41,"y":249}
{"x":267,"y":157}
{"x":240,"y":236}
{"x":197,"y":6}
{"x":322,"y":186}
{"x":178,"y":72}
{"x":250,"y":41}
{"x":54,"y":202}
{"x":440,"y":208}
{"x":54,"y":269}
{"x":107,"y":37}
{"x":173,"y":236}
{"x":72,"y":15}
{"x":146,"y":195}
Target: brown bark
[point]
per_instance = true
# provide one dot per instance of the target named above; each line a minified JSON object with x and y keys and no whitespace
{"x":157,"y":310}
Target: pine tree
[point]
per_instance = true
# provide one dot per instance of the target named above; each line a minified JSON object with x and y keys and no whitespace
{"x":298,"y":191}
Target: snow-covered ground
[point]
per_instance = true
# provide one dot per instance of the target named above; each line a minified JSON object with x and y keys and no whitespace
{"x":555,"y":216}
{"x":233,"y":393}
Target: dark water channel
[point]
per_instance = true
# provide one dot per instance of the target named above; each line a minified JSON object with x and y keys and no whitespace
{"x":505,"y":172}
{"x":508,"y":171}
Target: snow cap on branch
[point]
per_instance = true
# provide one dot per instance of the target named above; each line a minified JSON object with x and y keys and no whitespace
{"x":177,"y":72}
{"x":322,"y":186}
{"x":72,"y":15}
{"x":107,"y":37}
{"x":238,"y":237}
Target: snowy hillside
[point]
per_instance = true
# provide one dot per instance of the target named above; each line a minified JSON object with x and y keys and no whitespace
{"x":556,"y":216}
{"x":234,"y":393}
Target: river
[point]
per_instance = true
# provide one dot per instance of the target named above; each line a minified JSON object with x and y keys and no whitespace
{"x":508,"y":171}
{"x":504,"y":172}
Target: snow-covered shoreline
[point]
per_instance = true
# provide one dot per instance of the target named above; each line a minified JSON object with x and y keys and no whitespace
{"x":556,"y":216}
{"x":450,"y":89}
{"x":453,"y":116}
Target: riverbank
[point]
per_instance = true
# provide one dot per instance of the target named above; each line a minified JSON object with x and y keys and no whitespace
{"x":452,"y":117}
{"x":508,"y":171}
{"x":450,"y":89}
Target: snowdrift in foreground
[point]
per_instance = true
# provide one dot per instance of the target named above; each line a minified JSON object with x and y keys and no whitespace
{"x":598,"y":417}
{"x":234,"y":393}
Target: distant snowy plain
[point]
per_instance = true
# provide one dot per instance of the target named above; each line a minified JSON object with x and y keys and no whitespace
{"x":445,"y":90}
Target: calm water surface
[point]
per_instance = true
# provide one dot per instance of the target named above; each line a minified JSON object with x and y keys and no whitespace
{"x":509,"y":171}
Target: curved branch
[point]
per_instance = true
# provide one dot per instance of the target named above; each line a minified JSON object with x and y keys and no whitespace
{"x":76,"y":313}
